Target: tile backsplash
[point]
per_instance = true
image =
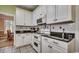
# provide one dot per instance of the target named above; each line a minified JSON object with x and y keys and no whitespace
{"x":22,"y":27}
{"x":69,"y":27}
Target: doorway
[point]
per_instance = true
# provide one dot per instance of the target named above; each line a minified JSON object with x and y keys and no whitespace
{"x":6,"y":30}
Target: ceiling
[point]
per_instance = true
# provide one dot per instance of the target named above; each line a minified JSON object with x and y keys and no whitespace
{"x":28,"y":7}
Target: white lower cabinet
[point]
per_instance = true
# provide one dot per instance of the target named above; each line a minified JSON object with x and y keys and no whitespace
{"x":45,"y":48}
{"x":56,"y":49}
{"x":52,"y":49}
{"x":22,"y":39}
{"x":50,"y":45}
{"x":27,"y":39}
{"x":19,"y":40}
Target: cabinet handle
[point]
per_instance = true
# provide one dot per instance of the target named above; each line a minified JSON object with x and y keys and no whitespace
{"x":18,"y":35}
{"x":55,"y":19}
{"x":55,"y":42}
{"x":49,"y":46}
{"x":45,"y":39}
{"x":23,"y":37}
{"x":40,"y":14}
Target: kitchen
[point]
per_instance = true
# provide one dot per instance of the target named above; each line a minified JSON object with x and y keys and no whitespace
{"x":45,"y":29}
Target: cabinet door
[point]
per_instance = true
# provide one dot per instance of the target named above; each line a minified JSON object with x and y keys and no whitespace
{"x":52,"y":49}
{"x":45,"y":48}
{"x":19,"y":40}
{"x":34,"y":18}
{"x":27,"y":39}
{"x":51,"y":14}
{"x":28,"y":18}
{"x":44,"y":13}
{"x":43,"y":10}
{"x":38,"y":11}
{"x":19,"y":16}
{"x":55,"y":49}
{"x":63,"y":13}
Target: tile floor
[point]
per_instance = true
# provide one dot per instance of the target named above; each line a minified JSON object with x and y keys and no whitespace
{"x":11,"y":49}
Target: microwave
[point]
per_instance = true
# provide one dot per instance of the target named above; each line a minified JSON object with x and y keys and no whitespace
{"x":41,"y":21}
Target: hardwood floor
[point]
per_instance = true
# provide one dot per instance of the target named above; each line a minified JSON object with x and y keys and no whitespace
{"x":6,"y":43}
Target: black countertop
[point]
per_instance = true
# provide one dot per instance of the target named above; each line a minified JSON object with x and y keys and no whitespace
{"x":60,"y":39}
{"x":65,"y":39}
{"x":56,"y":38}
{"x":21,"y":32}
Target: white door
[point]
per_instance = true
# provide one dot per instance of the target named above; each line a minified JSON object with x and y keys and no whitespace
{"x":63,"y":13}
{"x":45,"y":48}
{"x":51,"y":14}
{"x":19,"y":16}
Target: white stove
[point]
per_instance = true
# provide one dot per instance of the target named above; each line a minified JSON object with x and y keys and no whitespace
{"x":36,"y":42}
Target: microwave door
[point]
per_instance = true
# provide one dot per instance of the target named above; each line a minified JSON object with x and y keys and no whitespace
{"x":39,"y":21}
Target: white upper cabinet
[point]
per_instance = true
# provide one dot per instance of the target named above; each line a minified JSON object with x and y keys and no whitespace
{"x":23,"y":17}
{"x":44,"y":13}
{"x":43,"y":10}
{"x":19,"y":16}
{"x":39,"y":12}
{"x":34,"y":17}
{"x":50,"y":14}
{"x":64,"y":13}
{"x":28,"y":18}
{"x":60,"y":13}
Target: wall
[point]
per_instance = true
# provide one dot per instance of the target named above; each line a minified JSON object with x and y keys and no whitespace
{"x":77,"y":28}
{"x":1,"y":24}
{"x":8,"y":9}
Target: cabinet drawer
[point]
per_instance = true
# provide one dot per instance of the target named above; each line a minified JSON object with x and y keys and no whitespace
{"x":59,"y":49}
{"x":58,"y":43}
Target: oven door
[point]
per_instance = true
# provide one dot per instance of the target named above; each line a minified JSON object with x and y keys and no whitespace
{"x":36,"y":45}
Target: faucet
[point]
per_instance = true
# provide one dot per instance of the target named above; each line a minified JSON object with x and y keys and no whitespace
{"x":63,"y":34}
